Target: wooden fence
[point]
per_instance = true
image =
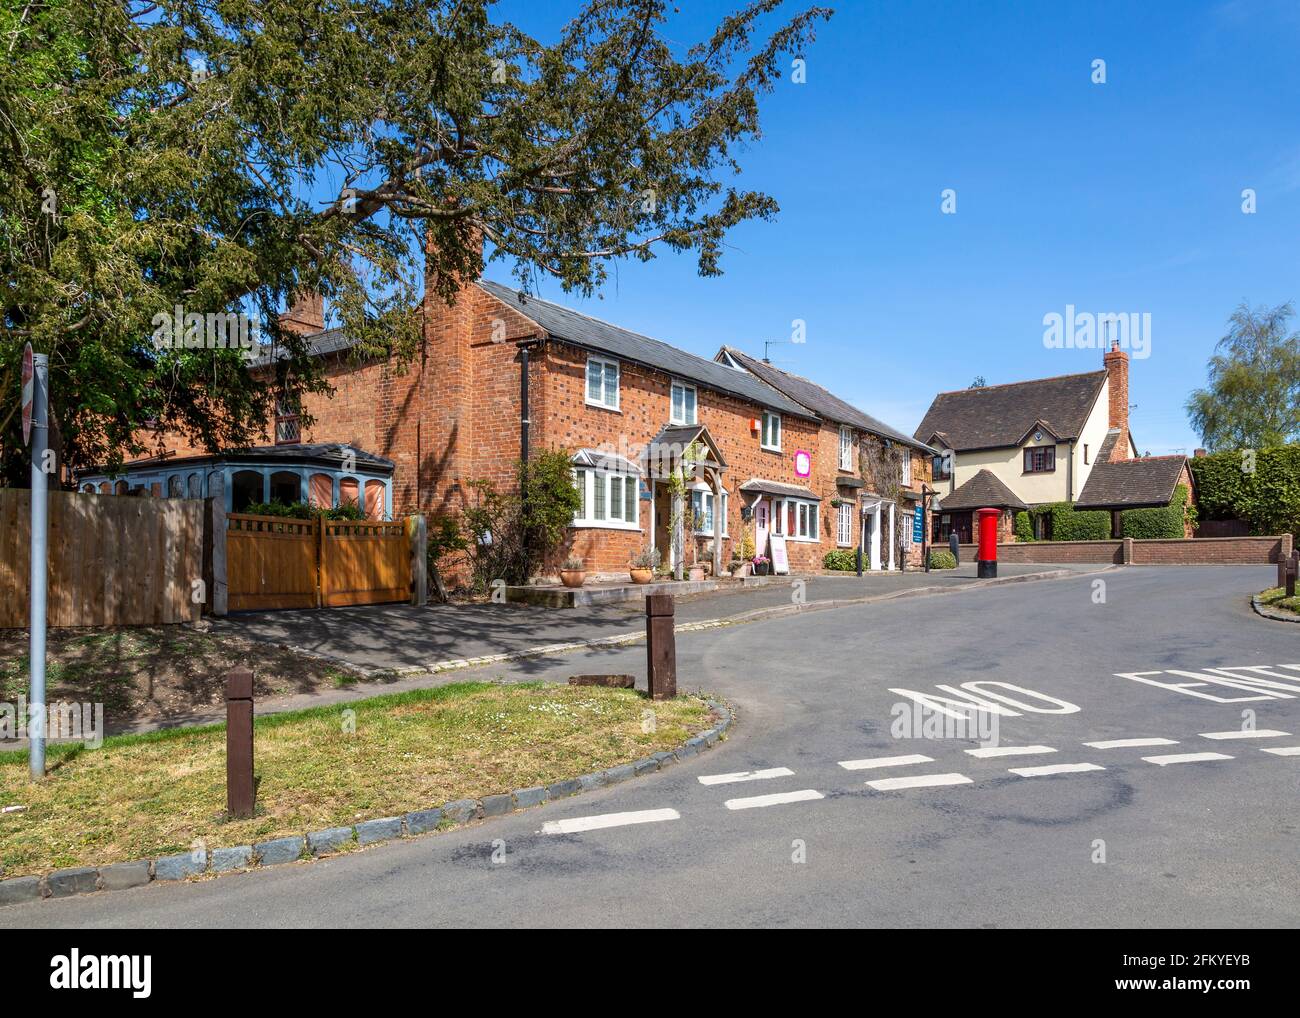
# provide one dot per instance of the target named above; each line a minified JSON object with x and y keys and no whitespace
{"x":112,"y":561}
{"x":275,"y":562}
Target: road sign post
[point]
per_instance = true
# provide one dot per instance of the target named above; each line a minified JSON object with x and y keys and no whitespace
{"x":35,"y":424}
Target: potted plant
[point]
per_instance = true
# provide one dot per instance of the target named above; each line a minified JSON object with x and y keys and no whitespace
{"x":643,"y":565}
{"x":761,"y":565}
{"x":574,"y":571}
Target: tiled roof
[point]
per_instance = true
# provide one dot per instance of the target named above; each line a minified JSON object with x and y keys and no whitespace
{"x":320,"y":453}
{"x":1001,"y":415}
{"x":819,"y":400}
{"x":983,"y":491}
{"x":779,"y":488}
{"x":602,"y":337}
{"x":1132,"y":484}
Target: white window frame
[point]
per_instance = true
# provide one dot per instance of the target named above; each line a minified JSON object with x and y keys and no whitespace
{"x":706,"y":497}
{"x":694,"y":416}
{"x":775,"y":418}
{"x":907,"y":468}
{"x":602,"y":483}
{"x":846,"y":448}
{"x":808,"y":521}
{"x":607,"y":367}
{"x":844,"y":525}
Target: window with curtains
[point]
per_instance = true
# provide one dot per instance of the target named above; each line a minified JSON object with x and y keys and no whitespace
{"x":602,"y":383}
{"x":607,"y":499}
{"x":702,"y":505}
{"x":1041,"y":460}
{"x":682,"y":410}
{"x":796,"y":519}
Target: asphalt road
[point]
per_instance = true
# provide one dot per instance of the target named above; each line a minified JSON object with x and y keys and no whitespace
{"x":1185,"y":844}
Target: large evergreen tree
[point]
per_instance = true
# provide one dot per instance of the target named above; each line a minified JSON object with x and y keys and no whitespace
{"x":176,"y":152}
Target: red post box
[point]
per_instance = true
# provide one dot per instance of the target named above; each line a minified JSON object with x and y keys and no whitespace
{"x":986,"y":563}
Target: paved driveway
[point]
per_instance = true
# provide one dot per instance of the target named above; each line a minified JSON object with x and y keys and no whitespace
{"x":1195,"y":826}
{"x":398,"y":636}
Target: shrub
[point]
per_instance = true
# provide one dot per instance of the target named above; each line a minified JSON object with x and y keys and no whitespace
{"x":1162,"y":522}
{"x":942,"y":558}
{"x":646,"y":558}
{"x":1267,"y":496}
{"x":348,"y":510}
{"x":509,"y":535}
{"x":841,"y":559}
{"x":1024,"y":527}
{"x":1070,"y":524}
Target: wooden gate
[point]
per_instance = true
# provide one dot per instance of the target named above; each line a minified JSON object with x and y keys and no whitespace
{"x":364,"y":563}
{"x":277,"y":562}
{"x":271,"y":562}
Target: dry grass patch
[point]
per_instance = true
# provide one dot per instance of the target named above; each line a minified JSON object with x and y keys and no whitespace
{"x":1276,"y":597}
{"x":148,"y":795}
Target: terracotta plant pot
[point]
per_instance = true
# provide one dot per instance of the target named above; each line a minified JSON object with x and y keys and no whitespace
{"x":573,"y":577}
{"x":642,"y":575}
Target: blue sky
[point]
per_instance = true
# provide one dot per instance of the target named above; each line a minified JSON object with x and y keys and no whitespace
{"x":1115,"y":197}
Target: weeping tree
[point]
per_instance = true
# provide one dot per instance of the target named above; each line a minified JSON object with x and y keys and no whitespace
{"x":220,"y":156}
{"x":1252,"y":396}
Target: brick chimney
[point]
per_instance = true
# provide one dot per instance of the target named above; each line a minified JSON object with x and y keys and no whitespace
{"x":1116,"y":361}
{"x":306,"y":316}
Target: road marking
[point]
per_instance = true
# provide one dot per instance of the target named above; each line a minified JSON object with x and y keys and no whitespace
{"x":918,"y":781}
{"x":1176,"y":758}
{"x":775,"y":799}
{"x":1246,"y":733}
{"x":728,"y":779}
{"x":575,"y":825}
{"x":1042,"y":772}
{"x":1127,"y":743}
{"x":884,"y":761}
{"x":990,"y":752}
{"x":1284,"y":750}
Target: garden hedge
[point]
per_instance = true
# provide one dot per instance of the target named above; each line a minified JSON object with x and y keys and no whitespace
{"x":1267,"y":497}
{"x":842,"y":559}
{"x":1150,"y":524}
{"x":1070,"y":524}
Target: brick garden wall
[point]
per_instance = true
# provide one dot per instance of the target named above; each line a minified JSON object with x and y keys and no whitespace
{"x":1186,"y":551}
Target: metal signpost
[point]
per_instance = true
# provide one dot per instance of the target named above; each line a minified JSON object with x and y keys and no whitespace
{"x":36,"y":434}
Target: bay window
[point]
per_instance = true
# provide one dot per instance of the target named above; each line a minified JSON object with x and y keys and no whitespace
{"x":607,"y":499}
{"x":795,"y":519}
{"x":702,"y":506}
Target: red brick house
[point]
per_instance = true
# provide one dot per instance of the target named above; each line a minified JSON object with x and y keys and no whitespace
{"x":500,"y":374}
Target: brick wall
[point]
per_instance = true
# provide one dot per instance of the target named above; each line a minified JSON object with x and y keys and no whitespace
{"x":1186,"y":551}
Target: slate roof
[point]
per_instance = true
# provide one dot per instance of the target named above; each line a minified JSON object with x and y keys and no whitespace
{"x":1001,"y":415}
{"x":1132,"y":484}
{"x":761,"y":484}
{"x":602,"y":337}
{"x":321,"y":343}
{"x":316,"y":453}
{"x":819,"y":400}
{"x":983,"y":491}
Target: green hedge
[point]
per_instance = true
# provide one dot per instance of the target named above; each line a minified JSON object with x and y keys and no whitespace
{"x":1070,"y":524}
{"x":1268,"y":499}
{"x":842,"y":559}
{"x":941,"y":558}
{"x":1149,"y":524}
{"x":1024,"y":527}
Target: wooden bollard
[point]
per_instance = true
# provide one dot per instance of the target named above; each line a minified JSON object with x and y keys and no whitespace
{"x":239,"y":744}
{"x":1293,"y":567}
{"x":660,"y":647}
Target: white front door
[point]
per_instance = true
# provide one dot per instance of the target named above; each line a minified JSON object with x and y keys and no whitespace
{"x":871,"y":534}
{"x":760,"y":526}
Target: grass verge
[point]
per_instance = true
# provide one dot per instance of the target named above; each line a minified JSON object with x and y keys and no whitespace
{"x":142,"y":796}
{"x":1275,"y":597}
